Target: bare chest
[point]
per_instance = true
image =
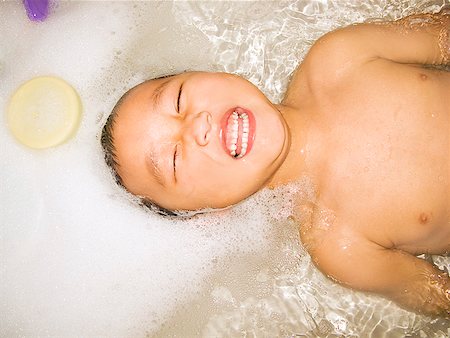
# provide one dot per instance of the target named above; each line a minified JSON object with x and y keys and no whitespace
{"x":386,"y":168}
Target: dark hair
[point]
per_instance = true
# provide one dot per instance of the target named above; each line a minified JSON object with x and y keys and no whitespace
{"x":107,"y":142}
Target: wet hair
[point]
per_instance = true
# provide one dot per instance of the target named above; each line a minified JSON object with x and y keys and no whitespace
{"x":107,"y":141}
{"x":110,"y":156}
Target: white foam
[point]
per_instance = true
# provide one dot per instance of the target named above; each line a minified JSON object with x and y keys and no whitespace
{"x":78,"y":259}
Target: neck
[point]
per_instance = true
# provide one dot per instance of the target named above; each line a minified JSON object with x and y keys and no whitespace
{"x":297,"y":163}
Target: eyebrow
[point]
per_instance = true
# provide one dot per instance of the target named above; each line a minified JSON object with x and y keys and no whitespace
{"x":155,"y":169}
{"x":153,"y":163}
{"x":157,"y":93}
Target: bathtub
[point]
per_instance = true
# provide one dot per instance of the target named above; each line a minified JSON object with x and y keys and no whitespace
{"x":79,"y":258}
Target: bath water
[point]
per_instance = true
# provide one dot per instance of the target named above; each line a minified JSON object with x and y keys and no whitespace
{"x":80,"y":258}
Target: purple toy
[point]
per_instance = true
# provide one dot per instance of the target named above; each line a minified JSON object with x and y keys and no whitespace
{"x":37,"y":10}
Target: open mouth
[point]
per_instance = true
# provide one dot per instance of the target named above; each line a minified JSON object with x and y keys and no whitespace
{"x":237,"y":132}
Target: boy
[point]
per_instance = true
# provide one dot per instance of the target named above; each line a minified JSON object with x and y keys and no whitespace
{"x":366,"y":116}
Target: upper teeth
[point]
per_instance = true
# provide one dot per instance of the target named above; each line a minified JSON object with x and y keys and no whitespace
{"x":233,"y":133}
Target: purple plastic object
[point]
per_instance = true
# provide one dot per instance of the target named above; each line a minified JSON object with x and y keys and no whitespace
{"x":37,"y":10}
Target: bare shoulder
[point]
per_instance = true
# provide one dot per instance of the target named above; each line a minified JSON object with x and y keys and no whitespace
{"x":336,"y":54}
{"x":329,"y":63}
{"x":336,"y":249}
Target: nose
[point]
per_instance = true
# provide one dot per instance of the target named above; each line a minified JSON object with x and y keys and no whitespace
{"x":199,"y":127}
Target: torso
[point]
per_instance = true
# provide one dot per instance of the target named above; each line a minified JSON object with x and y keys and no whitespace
{"x":384,"y":171}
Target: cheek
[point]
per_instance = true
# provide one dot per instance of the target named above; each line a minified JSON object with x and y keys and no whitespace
{"x":218,"y":186}
{"x":223,"y":91}
{"x":204,"y":179}
{"x":204,"y":172}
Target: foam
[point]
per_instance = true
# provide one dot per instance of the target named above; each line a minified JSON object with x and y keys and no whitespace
{"x":78,"y":257}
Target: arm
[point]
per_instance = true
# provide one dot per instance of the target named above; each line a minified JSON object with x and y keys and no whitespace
{"x":411,"y":282}
{"x":416,"y":39}
{"x":419,"y":39}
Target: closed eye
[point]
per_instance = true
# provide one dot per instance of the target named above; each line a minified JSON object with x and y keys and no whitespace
{"x":175,"y":156}
{"x":178,"y":99}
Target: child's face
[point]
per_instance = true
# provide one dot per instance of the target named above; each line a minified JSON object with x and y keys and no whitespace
{"x":175,"y":142}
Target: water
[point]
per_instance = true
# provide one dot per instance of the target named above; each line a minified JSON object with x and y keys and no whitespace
{"x":80,"y":259}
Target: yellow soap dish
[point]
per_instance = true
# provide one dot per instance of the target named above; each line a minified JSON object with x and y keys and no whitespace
{"x":44,"y":112}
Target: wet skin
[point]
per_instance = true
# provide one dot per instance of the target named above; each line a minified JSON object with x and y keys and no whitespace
{"x":380,"y":143}
{"x":362,"y":116}
{"x":168,"y":137}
